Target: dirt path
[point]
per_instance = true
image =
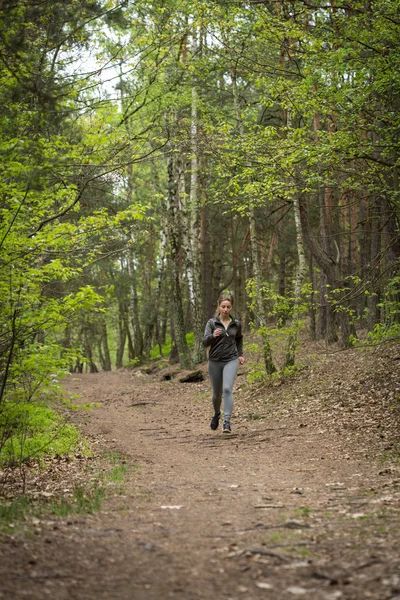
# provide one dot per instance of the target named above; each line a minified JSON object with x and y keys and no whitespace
{"x":276,"y":510}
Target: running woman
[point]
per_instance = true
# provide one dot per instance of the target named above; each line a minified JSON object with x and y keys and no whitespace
{"x":223,"y":334}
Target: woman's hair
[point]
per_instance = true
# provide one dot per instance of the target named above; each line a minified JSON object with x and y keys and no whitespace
{"x":224,"y":298}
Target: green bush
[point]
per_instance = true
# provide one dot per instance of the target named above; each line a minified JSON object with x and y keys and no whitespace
{"x":33,"y":430}
{"x":166,"y":348}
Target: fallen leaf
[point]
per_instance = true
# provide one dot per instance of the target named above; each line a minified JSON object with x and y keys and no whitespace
{"x":296,"y":591}
{"x":264,"y":586}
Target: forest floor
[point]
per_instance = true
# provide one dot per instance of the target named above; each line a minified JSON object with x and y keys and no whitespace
{"x":302,"y":500}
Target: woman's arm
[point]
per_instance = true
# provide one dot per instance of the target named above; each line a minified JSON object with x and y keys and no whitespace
{"x":208,"y":334}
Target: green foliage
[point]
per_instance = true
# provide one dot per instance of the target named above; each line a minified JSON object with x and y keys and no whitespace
{"x":155,"y":353}
{"x":84,"y":501}
{"x":288,"y":319}
{"x":19,"y":511}
{"x":29,"y":428}
{"x":293,"y":102}
{"x":33,"y":431}
{"x":55,"y":168}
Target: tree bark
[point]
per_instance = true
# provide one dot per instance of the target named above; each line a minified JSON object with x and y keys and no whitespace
{"x":134,"y":308}
{"x":121,"y":339}
{"x":175,"y":250}
{"x":106,"y":363}
{"x":300,"y":275}
{"x":193,"y":254}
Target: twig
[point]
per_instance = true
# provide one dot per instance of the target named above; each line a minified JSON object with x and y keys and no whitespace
{"x":261,"y":551}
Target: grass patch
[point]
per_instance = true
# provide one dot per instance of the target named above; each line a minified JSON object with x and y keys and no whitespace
{"x":83,"y":502}
{"x":303,"y":511}
{"x":20,"y":512}
{"x":12,"y":512}
{"x":255,"y":417}
{"x":118,"y":474}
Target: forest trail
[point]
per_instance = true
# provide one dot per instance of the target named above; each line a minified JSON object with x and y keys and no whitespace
{"x":278,"y":510}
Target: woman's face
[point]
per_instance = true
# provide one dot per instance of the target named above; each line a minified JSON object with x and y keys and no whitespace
{"x":225,"y":308}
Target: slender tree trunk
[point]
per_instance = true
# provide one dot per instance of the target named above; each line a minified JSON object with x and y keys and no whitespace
{"x":193,"y":248}
{"x":327,"y":282}
{"x":106,"y":366}
{"x":298,"y":285}
{"x":175,"y":234}
{"x":301,"y":271}
{"x":121,"y":339}
{"x":262,"y":317}
{"x":375,"y":267}
{"x":134,"y":308}
{"x":313,"y":280}
{"x":131,"y":349}
{"x":87,"y":345}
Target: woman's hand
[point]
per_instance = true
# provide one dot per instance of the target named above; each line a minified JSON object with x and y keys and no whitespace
{"x":241,"y":360}
{"x":217,"y":332}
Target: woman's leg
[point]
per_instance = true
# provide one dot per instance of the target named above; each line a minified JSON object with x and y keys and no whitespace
{"x":228,"y":377}
{"x":215,"y":370}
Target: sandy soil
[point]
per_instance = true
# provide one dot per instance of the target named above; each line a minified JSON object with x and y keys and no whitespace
{"x":287,"y":506}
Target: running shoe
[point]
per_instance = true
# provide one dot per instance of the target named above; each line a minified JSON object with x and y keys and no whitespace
{"x":227,"y":427}
{"x":215,"y":421}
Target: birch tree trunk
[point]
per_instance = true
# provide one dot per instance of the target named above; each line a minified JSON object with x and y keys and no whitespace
{"x":300,"y":275}
{"x":301,"y":270}
{"x":193,"y":254}
{"x":134,"y":308}
{"x":121,"y":338}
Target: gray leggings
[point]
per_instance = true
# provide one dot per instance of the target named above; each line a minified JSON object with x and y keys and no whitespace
{"x":222,"y":375}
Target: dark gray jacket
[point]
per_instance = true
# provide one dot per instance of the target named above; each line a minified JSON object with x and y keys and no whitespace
{"x":225,"y":347}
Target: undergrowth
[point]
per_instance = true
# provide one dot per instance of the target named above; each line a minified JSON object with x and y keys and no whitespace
{"x":20,"y":512}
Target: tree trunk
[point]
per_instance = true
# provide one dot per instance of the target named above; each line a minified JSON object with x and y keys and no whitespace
{"x":300,"y":275}
{"x":262,"y":317}
{"x":175,"y":235}
{"x":375,"y":267}
{"x":193,"y":254}
{"x":327,"y":282}
{"x":121,"y":339}
{"x":313,"y":280}
{"x":131,"y":349}
{"x":106,"y":365}
{"x":87,"y":345}
{"x":134,"y":309}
